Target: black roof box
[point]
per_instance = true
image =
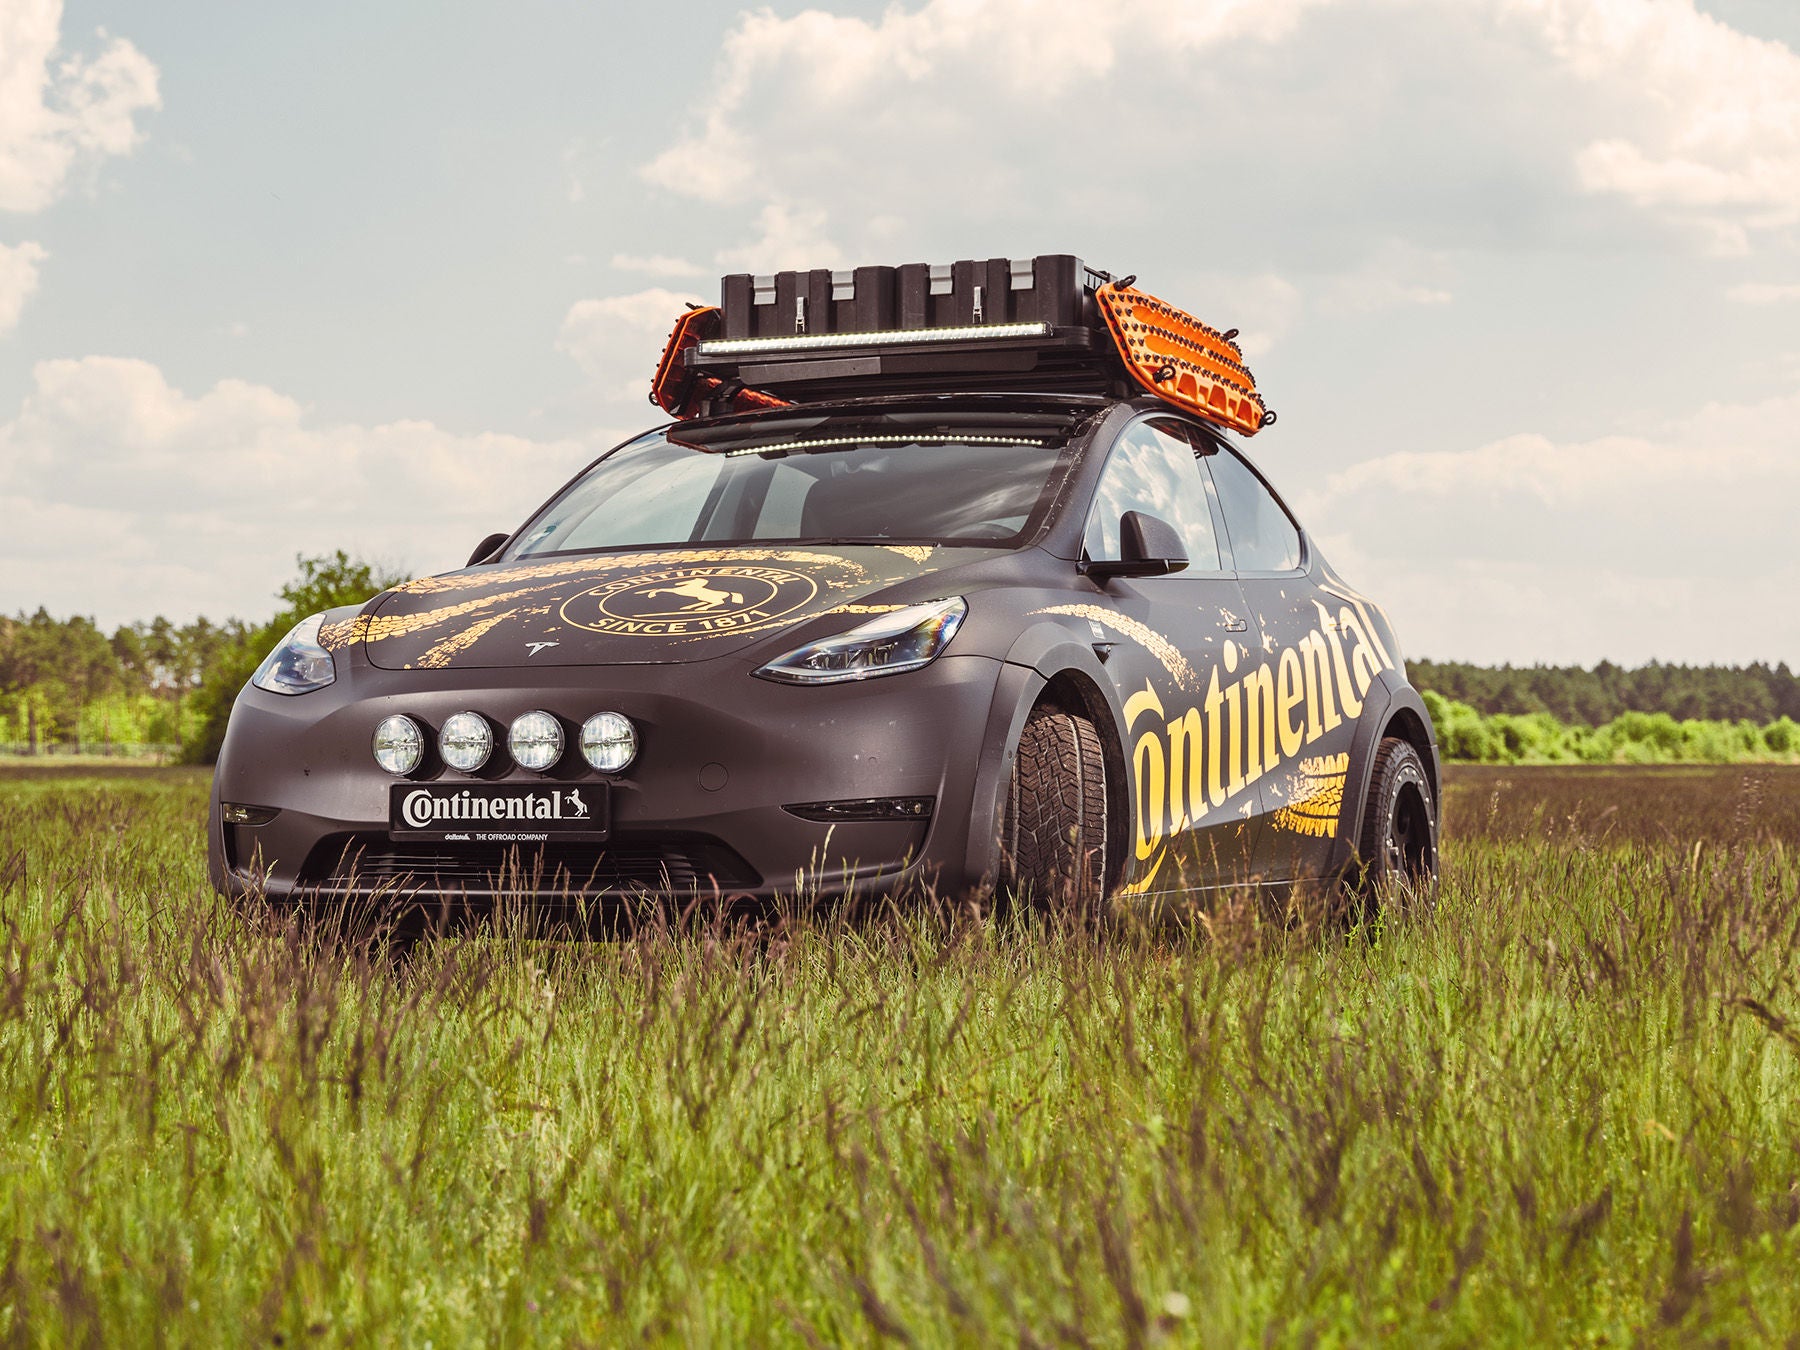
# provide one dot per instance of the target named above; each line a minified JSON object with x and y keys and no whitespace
{"x":1053,"y":288}
{"x":977,"y":324}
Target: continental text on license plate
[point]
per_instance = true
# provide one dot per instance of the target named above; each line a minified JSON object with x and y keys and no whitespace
{"x":483,"y":813}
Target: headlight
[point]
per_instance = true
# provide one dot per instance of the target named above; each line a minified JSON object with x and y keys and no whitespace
{"x":608,"y":742}
{"x":299,"y":664}
{"x":535,"y":740}
{"x":904,"y":640}
{"x":399,"y":744}
{"x":465,"y":741}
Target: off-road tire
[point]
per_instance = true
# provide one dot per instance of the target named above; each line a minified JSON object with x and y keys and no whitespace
{"x":1398,"y":851}
{"x":1054,"y":836}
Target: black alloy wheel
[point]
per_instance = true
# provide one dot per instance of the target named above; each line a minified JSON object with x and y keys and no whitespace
{"x":1398,"y":850}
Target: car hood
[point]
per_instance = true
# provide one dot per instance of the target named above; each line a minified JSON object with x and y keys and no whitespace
{"x":648,"y":607}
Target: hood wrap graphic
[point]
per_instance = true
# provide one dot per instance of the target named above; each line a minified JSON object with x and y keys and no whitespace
{"x":677,"y":601}
{"x":649,"y":606}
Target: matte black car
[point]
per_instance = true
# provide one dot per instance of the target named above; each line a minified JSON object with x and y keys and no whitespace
{"x":897,"y":626}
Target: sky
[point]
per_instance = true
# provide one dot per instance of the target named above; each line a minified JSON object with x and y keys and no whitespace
{"x":1521,"y":277}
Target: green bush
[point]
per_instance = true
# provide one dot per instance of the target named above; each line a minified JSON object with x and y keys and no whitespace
{"x":1467,"y":736}
{"x":1782,"y":736}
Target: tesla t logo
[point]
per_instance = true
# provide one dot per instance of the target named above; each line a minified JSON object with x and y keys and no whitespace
{"x":533,"y":648}
{"x":691,"y":601}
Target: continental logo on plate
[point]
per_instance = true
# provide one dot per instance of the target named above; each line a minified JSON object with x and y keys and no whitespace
{"x":690,"y":601}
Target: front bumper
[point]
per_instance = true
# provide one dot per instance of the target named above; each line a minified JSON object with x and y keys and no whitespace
{"x":699,"y":811}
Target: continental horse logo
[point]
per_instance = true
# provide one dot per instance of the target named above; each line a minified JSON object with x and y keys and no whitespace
{"x":690,"y":601}
{"x":702,"y":597}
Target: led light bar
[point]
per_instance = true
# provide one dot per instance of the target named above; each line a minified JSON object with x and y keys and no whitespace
{"x":828,"y":441}
{"x":807,"y":342}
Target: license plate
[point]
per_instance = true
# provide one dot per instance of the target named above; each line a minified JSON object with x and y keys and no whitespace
{"x":492,"y":813}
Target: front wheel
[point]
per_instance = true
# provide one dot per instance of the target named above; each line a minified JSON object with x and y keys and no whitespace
{"x":1054,"y":831}
{"x":1398,"y":851}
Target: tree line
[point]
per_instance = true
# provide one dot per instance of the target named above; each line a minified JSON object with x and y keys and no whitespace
{"x":1577,"y":696}
{"x":66,"y":681}
{"x":65,"y":684}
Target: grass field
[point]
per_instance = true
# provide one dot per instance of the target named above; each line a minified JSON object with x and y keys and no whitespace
{"x":1564,"y":1110}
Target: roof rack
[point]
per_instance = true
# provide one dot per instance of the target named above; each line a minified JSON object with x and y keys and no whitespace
{"x":1043,"y":324}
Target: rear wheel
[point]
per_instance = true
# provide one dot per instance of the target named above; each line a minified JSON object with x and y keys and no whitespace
{"x":1054,"y":831}
{"x":1398,"y":850}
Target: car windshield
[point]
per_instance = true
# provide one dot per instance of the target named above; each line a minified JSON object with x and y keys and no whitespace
{"x":893,"y":478}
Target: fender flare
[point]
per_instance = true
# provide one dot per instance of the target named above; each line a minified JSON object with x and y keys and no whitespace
{"x":1040,"y":654}
{"x":1388,"y":698}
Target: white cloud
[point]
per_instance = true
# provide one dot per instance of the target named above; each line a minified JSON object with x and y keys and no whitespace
{"x":617,"y":340}
{"x":793,"y":238}
{"x":1320,"y":140}
{"x":59,"y":113}
{"x":851,"y":76}
{"x":1708,"y":117}
{"x":1626,"y":547}
{"x":18,"y":279}
{"x":1763,"y":293}
{"x":129,"y":496}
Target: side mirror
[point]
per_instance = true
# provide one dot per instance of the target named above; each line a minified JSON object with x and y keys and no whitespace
{"x":486,"y":547}
{"x":1148,"y":547}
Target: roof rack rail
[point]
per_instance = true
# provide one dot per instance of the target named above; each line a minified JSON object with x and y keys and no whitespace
{"x":1044,"y":324}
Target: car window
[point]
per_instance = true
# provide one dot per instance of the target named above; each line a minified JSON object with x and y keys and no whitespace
{"x":1263,"y":538}
{"x":887,"y":478}
{"x":648,"y":504}
{"x":1156,"y":473}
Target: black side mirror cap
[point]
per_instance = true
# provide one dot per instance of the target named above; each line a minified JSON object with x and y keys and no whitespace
{"x":1148,"y":547}
{"x":486,"y":549}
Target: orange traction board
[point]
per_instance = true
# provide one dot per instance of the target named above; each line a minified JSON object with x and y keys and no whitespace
{"x":1181,"y":360}
{"x":680,"y":391}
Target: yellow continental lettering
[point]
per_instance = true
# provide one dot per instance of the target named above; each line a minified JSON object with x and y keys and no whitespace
{"x":1363,"y":661}
{"x":1259,"y":721}
{"x":1215,"y":786}
{"x":1321,"y":708}
{"x":1147,"y":766}
{"x":1145,"y":700}
{"x":1347,"y":696}
{"x":1234,"y":737}
{"x":1290,"y":693}
{"x":1374,"y":633}
{"x":1187,"y":790}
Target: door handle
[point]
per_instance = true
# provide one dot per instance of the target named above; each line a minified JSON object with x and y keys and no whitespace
{"x":1233,"y":624}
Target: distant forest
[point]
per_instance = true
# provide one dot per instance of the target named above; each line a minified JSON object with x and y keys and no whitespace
{"x":1590,"y":698}
{"x":67,"y":686}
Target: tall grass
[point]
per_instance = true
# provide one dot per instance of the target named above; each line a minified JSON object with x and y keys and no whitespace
{"x":1566,"y":1109}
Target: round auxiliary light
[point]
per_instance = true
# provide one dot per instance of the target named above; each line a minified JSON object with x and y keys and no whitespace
{"x":608,"y":741}
{"x":465,"y":741}
{"x":536,"y":740}
{"x":399,"y":744}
